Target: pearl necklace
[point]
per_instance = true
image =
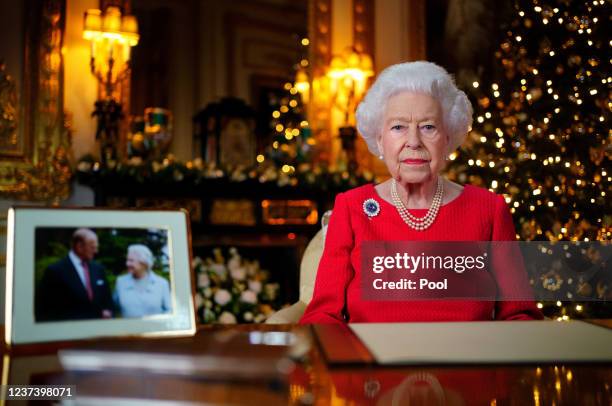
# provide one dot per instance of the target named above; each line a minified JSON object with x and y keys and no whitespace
{"x":418,"y":223}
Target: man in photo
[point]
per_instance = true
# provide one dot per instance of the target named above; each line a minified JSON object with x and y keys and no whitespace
{"x":75,"y":287}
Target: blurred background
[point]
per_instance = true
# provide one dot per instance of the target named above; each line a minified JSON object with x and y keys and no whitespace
{"x":242,"y":112}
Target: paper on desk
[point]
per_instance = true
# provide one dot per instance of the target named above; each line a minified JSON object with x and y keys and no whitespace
{"x":485,"y":342}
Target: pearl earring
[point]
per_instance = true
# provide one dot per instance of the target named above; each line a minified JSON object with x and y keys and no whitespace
{"x":380,"y":157}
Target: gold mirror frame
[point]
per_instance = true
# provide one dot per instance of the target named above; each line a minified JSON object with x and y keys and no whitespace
{"x":34,"y":154}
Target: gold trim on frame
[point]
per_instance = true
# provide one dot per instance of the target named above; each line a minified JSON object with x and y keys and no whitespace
{"x":6,"y":365}
{"x":41,"y":171}
{"x":282,"y":212}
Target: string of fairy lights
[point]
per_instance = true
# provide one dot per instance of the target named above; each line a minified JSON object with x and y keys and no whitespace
{"x":539,"y":113}
{"x":292,"y":139}
{"x":541,"y":135}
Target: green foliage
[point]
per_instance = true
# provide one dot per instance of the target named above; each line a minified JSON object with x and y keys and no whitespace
{"x":57,"y":251}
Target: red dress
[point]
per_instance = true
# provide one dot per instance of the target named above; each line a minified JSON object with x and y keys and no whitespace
{"x":475,"y":215}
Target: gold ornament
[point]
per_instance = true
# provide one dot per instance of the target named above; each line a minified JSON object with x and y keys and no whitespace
{"x":529,"y":230}
{"x":584,"y":289}
{"x":603,"y":291}
{"x":596,"y":154}
{"x":484,"y":102}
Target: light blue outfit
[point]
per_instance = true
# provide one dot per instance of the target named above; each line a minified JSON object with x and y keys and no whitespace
{"x":142,"y":297}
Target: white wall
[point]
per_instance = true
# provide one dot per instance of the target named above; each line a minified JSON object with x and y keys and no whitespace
{"x":80,"y":86}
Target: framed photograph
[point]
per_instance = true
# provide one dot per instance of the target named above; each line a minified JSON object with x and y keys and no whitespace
{"x":84,"y":273}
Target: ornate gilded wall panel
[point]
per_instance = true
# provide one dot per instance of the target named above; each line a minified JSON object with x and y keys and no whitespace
{"x":319,"y":33}
{"x":34,"y":156}
{"x":363,"y":26}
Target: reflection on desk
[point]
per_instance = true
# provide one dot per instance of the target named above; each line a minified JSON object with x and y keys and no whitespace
{"x":218,"y":365}
{"x":547,"y":385}
{"x":313,"y":381}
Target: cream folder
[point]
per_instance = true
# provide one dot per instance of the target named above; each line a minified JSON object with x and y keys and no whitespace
{"x":486,"y":342}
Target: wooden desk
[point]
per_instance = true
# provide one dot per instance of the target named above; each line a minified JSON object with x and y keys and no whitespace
{"x":315,"y":382}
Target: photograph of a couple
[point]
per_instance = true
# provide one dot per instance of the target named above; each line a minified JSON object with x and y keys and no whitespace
{"x":101,"y":273}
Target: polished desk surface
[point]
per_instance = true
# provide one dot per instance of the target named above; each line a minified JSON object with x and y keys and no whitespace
{"x":314,"y":381}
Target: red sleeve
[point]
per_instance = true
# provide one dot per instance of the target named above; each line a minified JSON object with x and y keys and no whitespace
{"x":509,"y":270}
{"x":335,"y":270}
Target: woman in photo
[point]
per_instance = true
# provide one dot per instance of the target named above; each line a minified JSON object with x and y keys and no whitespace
{"x":140,"y":292}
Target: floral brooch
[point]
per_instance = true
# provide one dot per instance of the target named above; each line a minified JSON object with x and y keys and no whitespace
{"x":371,"y":207}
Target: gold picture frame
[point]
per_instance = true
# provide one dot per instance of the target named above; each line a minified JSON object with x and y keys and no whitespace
{"x":35,"y":139}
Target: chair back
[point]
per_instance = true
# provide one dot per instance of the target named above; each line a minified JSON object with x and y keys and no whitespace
{"x":310,"y":260}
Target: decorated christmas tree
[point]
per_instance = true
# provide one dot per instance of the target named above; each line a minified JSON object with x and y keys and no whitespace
{"x":292,"y":143}
{"x":541,"y":135}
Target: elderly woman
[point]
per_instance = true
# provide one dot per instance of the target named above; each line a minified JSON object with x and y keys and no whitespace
{"x":413,"y":117}
{"x":141,"y":292}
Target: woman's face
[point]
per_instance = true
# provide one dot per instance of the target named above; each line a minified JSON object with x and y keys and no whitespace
{"x":413,"y":140}
{"x":135,"y":266}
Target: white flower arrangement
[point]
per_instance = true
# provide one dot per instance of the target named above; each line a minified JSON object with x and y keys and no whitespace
{"x":233,"y":291}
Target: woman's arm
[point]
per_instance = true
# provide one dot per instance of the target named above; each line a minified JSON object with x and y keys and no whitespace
{"x":335,"y":270}
{"x":508,"y":267}
{"x":117,"y":296}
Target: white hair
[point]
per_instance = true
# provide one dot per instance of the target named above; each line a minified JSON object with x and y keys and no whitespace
{"x":419,"y":77}
{"x":143,"y":253}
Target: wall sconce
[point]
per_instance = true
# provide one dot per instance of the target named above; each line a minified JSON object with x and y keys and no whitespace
{"x":302,"y":84}
{"x":112,"y":36}
{"x":349,"y":74}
